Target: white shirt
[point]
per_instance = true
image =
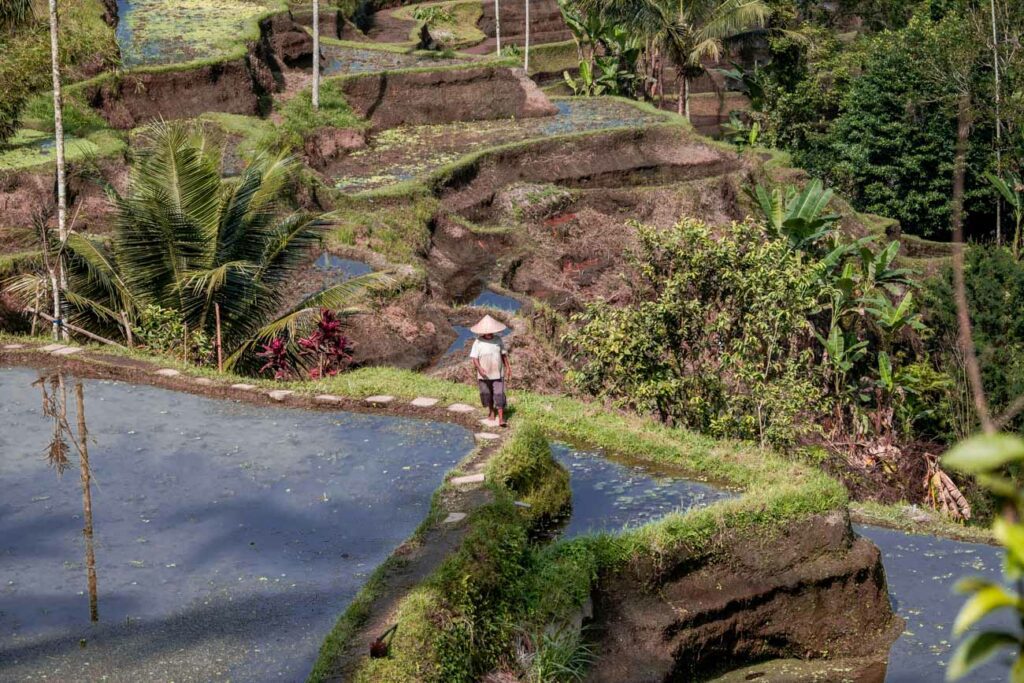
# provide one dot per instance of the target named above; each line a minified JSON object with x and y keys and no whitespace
{"x":488,"y":353}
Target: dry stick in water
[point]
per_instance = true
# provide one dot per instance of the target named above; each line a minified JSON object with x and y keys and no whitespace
{"x":83,"y":462}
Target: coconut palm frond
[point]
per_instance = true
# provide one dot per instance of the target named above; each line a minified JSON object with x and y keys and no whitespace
{"x":276,"y":174}
{"x":733,"y":17}
{"x":91,"y":260}
{"x":24,"y":287}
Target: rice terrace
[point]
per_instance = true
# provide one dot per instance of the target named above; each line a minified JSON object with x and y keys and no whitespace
{"x":511,"y":341}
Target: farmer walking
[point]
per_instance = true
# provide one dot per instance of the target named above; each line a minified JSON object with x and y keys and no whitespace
{"x":490,"y":358}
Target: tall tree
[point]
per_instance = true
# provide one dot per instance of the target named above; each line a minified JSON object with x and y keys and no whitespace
{"x":59,"y":282}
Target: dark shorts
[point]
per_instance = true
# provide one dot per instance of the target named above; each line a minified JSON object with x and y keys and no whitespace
{"x":492,"y":393}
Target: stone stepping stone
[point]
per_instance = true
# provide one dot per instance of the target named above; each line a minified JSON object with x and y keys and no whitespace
{"x":468,"y":479}
{"x":327,"y":398}
{"x":454,"y":517}
{"x":204,"y":381}
{"x":487,"y":436}
{"x":11,"y":347}
{"x":167,"y":372}
{"x":461,"y":408}
{"x":66,"y":351}
{"x":424,"y":402}
{"x":243,"y":387}
{"x":379,"y":400}
{"x":280,"y":394}
{"x":522,"y":504}
{"x":50,"y":348}
{"x":489,"y":423}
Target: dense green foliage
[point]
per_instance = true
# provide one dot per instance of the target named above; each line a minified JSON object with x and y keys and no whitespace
{"x":766,"y":332}
{"x":877,"y":119}
{"x":86,"y":46}
{"x":995,"y":297}
{"x":716,"y":339}
{"x":528,"y":471}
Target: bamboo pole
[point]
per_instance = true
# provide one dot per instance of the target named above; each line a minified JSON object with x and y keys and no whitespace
{"x":87,"y":531}
{"x":75,"y":328}
{"x":220,"y":350}
{"x":526,"y":52}
{"x":60,"y":280}
{"x":316,"y":55}
{"x":35,"y":315}
{"x":184,"y":344}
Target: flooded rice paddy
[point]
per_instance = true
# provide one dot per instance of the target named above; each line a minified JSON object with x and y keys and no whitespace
{"x":227,"y":537}
{"x":341,"y":269}
{"x":408,"y":152}
{"x":491,"y":299}
{"x":921,"y":572}
{"x":352,"y":60}
{"x":611,"y":494}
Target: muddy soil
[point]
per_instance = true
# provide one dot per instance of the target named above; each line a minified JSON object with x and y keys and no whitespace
{"x":814,"y":591}
{"x":388,"y":100}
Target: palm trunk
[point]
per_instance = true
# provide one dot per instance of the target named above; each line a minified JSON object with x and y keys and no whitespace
{"x":316,"y":55}
{"x":60,"y":281}
{"x":526,"y":50}
{"x":83,"y":462}
{"x":679,"y":96}
{"x":686,"y":97}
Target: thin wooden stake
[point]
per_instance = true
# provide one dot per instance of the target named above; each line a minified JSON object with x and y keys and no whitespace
{"x":127,"y":329}
{"x":75,"y":328}
{"x":35,"y":315}
{"x":220,"y":350}
{"x":184,"y":345}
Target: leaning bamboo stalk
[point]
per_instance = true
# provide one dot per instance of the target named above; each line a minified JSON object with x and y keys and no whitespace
{"x":75,"y":328}
{"x":127,"y":329}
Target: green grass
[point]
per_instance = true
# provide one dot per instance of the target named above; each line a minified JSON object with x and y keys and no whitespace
{"x":921,"y":521}
{"x":29,"y":149}
{"x":462,"y":31}
{"x":20,"y":261}
{"x":180,"y":31}
{"x":399,"y":229}
{"x":554,"y":57}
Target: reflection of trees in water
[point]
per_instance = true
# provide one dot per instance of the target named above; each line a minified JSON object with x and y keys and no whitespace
{"x":55,"y":407}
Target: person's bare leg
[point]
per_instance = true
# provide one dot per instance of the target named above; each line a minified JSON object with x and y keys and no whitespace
{"x":501,"y":417}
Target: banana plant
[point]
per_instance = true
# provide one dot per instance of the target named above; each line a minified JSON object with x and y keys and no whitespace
{"x":842,"y":352}
{"x":1011,"y":187}
{"x":877,"y":268}
{"x":799,"y":216}
{"x":892,"y":318}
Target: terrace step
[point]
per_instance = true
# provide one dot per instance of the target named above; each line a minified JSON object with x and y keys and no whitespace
{"x":204,"y":381}
{"x":468,"y":479}
{"x":50,"y":348}
{"x":280,"y":394}
{"x":424,"y":402}
{"x":11,"y":347}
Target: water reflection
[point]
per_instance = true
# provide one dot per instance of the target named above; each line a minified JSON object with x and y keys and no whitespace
{"x":55,"y":407}
{"x":230,"y":536}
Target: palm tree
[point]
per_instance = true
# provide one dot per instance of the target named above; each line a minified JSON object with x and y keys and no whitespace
{"x":687,"y":31}
{"x":188,"y":240}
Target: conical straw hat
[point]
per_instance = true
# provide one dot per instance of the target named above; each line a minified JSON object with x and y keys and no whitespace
{"x":488,"y":325}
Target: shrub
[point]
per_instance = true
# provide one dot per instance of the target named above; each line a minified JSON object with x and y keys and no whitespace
{"x":716,"y":338}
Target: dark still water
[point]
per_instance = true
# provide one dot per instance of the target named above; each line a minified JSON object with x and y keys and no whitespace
{"x":228,"y":537}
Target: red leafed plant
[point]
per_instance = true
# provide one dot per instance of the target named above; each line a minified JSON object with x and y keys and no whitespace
{"x":329,"y":349}
{"x":275,"y":355}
